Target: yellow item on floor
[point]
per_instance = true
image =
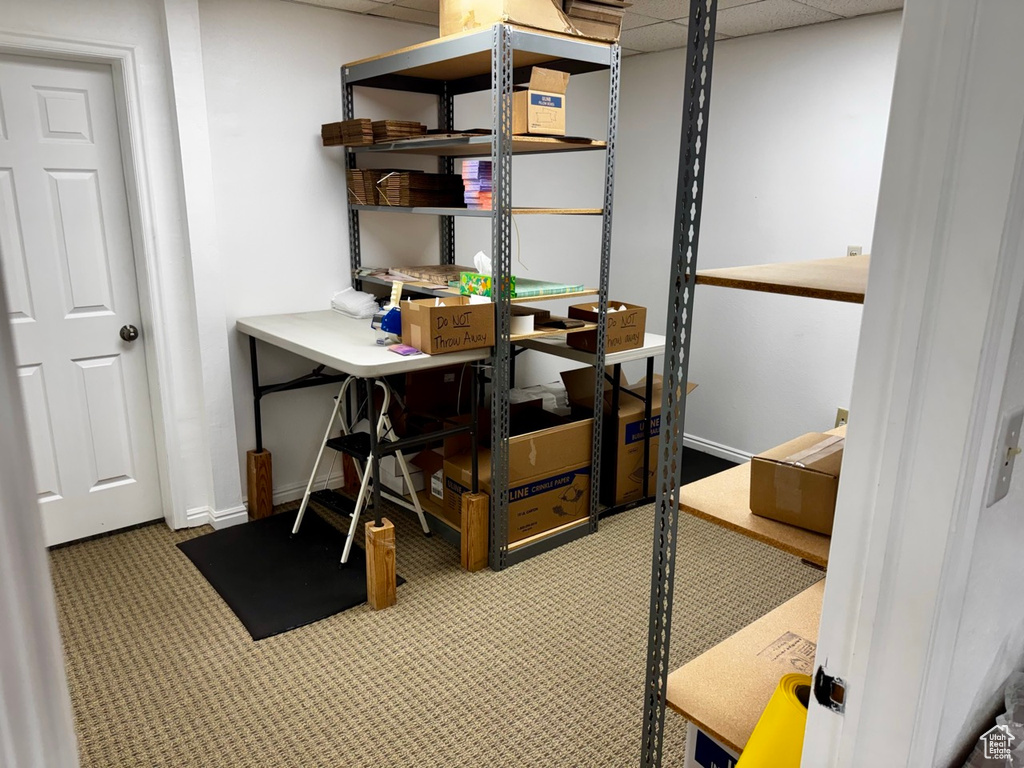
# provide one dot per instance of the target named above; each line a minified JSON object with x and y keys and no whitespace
{"x":778,"y":738}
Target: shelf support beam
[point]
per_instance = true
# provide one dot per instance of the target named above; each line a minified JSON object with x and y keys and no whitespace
{"x":501,"y":271}
{"x":679,"y":319}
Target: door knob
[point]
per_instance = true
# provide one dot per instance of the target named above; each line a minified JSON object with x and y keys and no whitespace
{"x":129,"y":333}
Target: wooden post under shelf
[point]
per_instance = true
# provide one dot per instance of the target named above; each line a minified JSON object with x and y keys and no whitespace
{"x":260,"y":479}
{"x":474,"y":531}
{"x":380,"y":564}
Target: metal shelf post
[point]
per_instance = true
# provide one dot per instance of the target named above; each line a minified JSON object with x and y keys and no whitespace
{"x":501,"y":287}
{"x":679,"y":320}
{"x":605,"y":274}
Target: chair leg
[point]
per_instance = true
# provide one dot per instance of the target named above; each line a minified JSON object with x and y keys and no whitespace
{"x":400,"y":459}
{"x":316,"y":466}
{"x":360,"y":501}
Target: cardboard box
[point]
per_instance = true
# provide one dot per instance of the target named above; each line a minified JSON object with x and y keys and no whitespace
{"x":622,"y":454}
{"x":439,"y":392}
{"x":540,"y":108}
{"x":457,"y":326}
{"x":549,"y":479}
{"x":464,"y":15}
{"x":796,"y":482}
{"x":625,"y":327}
{"x":391,"y":476}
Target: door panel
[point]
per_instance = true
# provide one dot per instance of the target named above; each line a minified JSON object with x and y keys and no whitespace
{"x":44,"y":451}
{"x":13,"y":261}
{"x":68,"y":268}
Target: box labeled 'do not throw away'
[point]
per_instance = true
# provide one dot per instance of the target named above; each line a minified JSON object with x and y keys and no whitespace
{"x":455,"y":327}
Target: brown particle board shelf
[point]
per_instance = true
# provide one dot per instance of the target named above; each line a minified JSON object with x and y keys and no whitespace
{"x":428,"y":289}
{"x":548,"y":534}
{"x":479,"y":145}
{"x":843,"y":279}
{"x":476,"y":212}
{"x":724,"y":690}
{"x":516,"y":337}
{"x":468,"y":55}
{"x":724,"y":499}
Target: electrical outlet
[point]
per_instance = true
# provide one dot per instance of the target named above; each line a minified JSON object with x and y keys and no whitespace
{"x":1006,"y":450}
{"x":854,"y":250}
{"x":842,"y":416}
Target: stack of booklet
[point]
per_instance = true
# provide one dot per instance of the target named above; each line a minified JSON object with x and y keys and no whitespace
{"x":476,"y":180}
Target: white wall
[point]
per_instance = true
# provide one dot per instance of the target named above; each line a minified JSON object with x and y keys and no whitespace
{"x":797,"y":129}
{"x":272,"y":74}
{"x":139,"y":23}
{"x":990,"y":639}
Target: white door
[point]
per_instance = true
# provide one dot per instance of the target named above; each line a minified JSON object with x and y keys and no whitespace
{"x":69,"y":272}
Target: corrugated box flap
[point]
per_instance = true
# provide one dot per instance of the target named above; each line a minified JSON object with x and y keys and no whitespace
{"x":548,"y":80}
{"x":825,"y":456}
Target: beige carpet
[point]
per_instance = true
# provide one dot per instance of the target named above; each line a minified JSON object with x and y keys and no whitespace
{"x":540,"y":665}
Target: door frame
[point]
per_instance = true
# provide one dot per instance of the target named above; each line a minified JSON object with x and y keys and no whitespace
{"x":943,"y":293}
{"x":125,"y":76}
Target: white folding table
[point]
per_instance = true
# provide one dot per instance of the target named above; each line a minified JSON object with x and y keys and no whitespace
{"x":345,"y":344}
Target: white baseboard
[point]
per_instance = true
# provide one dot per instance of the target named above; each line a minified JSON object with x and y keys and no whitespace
{"x":294,"y":491}
{"x":225,"y":518}
{"x":222,"y":518}
{"x":715,"y":449}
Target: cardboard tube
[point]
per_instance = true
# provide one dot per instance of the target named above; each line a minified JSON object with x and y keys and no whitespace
{"x":778,"y":738}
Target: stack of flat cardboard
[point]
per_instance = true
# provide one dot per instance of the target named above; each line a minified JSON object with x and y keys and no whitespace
{"x":362,"y":186}
{"x":418,"y":189}
{"x":597,"y":18}
{"x":389,"y":130}
{"x":477,"y":184}
{"x":440,"y":274}
{"x":351,"y":133}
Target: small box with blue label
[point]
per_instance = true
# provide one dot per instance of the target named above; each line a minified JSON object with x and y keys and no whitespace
{"x":540,"y":108}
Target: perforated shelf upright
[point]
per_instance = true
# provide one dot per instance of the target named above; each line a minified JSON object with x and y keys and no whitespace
{"x":699,"y":690}
{"x":496,"y":59}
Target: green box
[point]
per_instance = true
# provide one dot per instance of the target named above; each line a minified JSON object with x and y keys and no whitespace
{"x":476,"y":284}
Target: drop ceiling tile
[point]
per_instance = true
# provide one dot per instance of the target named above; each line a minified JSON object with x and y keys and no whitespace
{"x":655,"y":37}
{"x":723,"y":4}
{"x":849,"y":8}
{"x":431,"y":6}
{"x":767,"y":16}
{"x":633,"y":20}
{"x":665,"y":10}
{"x":405,"y":14}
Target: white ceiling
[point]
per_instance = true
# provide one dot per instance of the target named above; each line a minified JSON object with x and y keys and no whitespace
{"x":658,"y":25}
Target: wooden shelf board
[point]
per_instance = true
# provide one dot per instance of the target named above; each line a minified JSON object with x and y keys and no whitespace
{"x":545,"y":534}
{"x":724,"y":690}
{"x":475,"y":62}
{"x":479,"y":145}
{"x":843,"y":279}
{"x":474,"y":212}
{"x":424,"y":288}
{"x":516,"y":337}
{"x":724,"y":499}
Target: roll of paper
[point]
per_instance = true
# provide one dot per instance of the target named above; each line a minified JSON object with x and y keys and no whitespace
{"x":778,"y":737}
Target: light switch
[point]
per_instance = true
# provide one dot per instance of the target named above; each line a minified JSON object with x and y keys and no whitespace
{"x":1006,"y":450}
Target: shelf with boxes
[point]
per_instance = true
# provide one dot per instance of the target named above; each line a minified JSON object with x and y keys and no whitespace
{"x":497,"y":57}
{"x":748,"y":665}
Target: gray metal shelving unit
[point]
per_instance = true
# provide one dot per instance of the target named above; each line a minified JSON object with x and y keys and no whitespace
{"x":496,"y":59}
